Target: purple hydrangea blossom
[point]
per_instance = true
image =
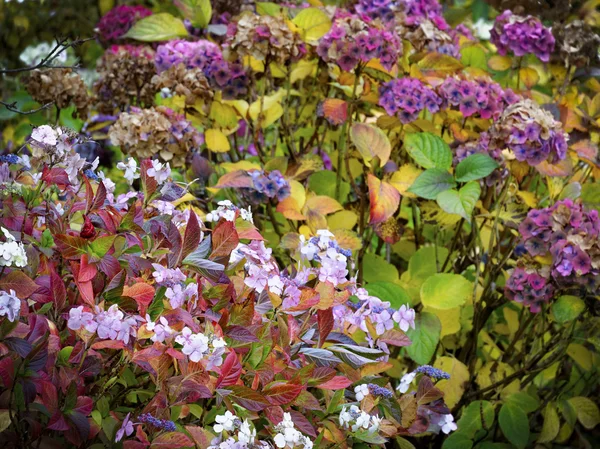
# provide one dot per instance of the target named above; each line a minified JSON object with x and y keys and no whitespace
{"x":116,"y":22}
{"x":432,"y":372}
{"x":383,"y":392}
{"x":407,"y":97}
{"x":163,"y":424}
{"x":198,"y":54}
{"x":272,"y":185}
{"x":522,"y":36}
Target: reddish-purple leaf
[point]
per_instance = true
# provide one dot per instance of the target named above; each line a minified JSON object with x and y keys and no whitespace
{"x":282,"y":394}
{"x":171,"y":440}
{"x":7,"y":371}
{"x":18,"y":281}
{"x":325,"y":322}
{"x":427,"y":392}
{"x":395,"y":337}
{"x":56,"y":176}
{"x":230,"y":371}
{"x":237,"y":179}
{"x":241,"y":333}
{"x":192,"y":235}
{"x":337,"y":383}
{"x":247,"y":398}
{"x":224,"y":240}
{"x":141,"y":293}
{"x":303,"y":424}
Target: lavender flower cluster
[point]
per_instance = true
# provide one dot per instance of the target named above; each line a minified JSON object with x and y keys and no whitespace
{"x":272,"y":185}
{"x":522,"y":36}
{"x":432,"y":372}
{"x":376,"y":10}
{"x":528,"y":287}
{"x":198,"y":54}
{"x":407,"y":97}
{"x":119,"y":20}
{"x":163,"y":424}
{"x":530,"y":132}
{"x":351,"y":41}
{"x":480,"y":96}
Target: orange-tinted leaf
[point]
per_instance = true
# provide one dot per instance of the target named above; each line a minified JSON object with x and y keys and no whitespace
{"x":18,"y":281}
{"x":141,"y":293}
{"x":334,"y":110}
{"x":171,"y":440}
{"x":337,"y":383}
{"x":371,"y":142}
{"x":322,"y":204}
{"x":384,"y":198}
{"x":562,"y":168}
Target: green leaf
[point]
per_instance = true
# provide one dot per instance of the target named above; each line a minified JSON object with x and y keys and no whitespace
{"x":371,"y":142}
{"x":445,"y":291}
{"x":590,"y":195}
{"x":198,"y":12}
{"x":474,"y":56}
{"x":460,"y":202}
{"x":523,"y":401}
{"x":388,"y":291}
{"x":376,"y":268}
{"x":424,"y":337}
{"x":157,"y":27}
{"x":475,"y":166}
{"x":514,"y":424}
{"x":268,"y":9}
{"x":422,"y":264}
{"x":314,"y":23}
{"x":567,"y":308}
{"x":431,"y":183}
{"x":323,"y":183}
{"x":457,"y":440}
{"x":101,"y":245}
{"x":428,"y":150}
{"x":477,"y":416}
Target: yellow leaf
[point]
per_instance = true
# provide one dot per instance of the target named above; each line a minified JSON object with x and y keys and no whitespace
{"x":216,"y":141}
{"x":587,"y":411}
{"x":240,"y":165}
{"x":313,"y":22}
{"x":512,"y":319}
{"x":302,"y":69}
{"x":404,"y":178}
{"x":529,"y":76}
{"x":347,"y":239}
{"x":500,"y":63}
{"x":450,"y":319}
{"x":298,"y":193}
{"x":551,"y":424}
{"x":454,"y":387}
{"x":438,"y":63}
{"x":241,"y":106}
{"x":528,"y":198}
{"x":223,"y":114}
{"x":344,"y":219}
{"x":581,"y":355}
{"x":184,"y":199}
{"x":486,"y":377}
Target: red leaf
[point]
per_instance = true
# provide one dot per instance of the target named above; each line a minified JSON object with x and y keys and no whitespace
{"x":7,"y":372}
{"x":84,"y":405}
{"x":56,"y":176}
{"x":192,"y":235}
{"x":18,"y":281}
{"x":322,"y":374}
{"x":238,"y":179}
{"x":303,"y":424}
{"x":108,"y":344}
{"x":171,"y":440}
{"x":59,"y":292}
{"x":99,"y":198}
{"x":274,"y":414}
{"x":87,"y":230}
{"x":141,"y":293}
{"x":247,"y":398}
{"x":395,"y":337}
{"x":337,"y":383}
{"x":282,"y":394}
{"x":224,"y":240}
{"x":201,"y":437}
{"x":325,"y":322}
{"x":58,"y":422}
{"x":230,"y":371}
{"x":384,"y":199}
{"x":149,"y":184}
{"x":87,"y":271}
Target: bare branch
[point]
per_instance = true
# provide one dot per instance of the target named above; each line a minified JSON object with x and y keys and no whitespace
{"x":61,"y":46}
{"x":12,"y":107}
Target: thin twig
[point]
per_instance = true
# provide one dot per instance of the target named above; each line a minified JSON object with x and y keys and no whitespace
{"x":12,"y":107}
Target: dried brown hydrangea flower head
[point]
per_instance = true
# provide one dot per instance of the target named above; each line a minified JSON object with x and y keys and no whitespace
{"x":577,"y":43}
{"x":126,"y":74}
{"x":179,"y":80}
{"x":424,"y":35}
{"x":63,"y":87}
{"x":143,"y":133}
{"x":266,"y":38}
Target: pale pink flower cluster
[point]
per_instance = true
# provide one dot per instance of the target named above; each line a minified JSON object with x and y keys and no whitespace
{"x":198,"y":346}
{"x":167,"y":276}
{"x":111,"y":324}
{"x":179,"y":295}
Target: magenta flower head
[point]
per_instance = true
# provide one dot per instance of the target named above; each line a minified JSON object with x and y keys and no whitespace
{"x":118,"y":21}
{"x":522,"y":36}
{"x":199,"y":54}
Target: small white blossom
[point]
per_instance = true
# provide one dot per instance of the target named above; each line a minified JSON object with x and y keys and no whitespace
{"x":361,"y":391}
{"x":130,"y":168}
{"x":10,"y":305}
{"x":159,"y":171}
{"x":405,"y":382}
{"x":225,"y":422}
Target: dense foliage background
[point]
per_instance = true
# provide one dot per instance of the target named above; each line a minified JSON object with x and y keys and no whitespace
{"x":240,"y":224}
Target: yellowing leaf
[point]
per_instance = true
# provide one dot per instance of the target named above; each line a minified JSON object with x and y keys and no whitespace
{"x":298,"y":193}
{"x":313,"y":22}
{"x":223,"y":114}
{"x":240,"y":165}
{"x":454,"y":387}
{"x":587,"y":411}
{"x":371,"y":142}
{"x":384,"y":199}
{"x":404,"y":178}
{"x":438,"y":63}
{"x":529,"y":77}
{"x":344,"y":219}
{"x":302,"y":69}
{"x":449,"y":318}
{"x":551,"y":424}
{"x":500,"y":63}
{"x":216,"y":141}
{"x":582,"y":356}
{"x":157,"y":27}
{"x":528,"y":198}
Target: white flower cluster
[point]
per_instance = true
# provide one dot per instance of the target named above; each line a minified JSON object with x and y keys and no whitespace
{"x":357,"y":419}
{"x":34,"y":54}
{"x":288,"y":436}
{"x":244,"y":439}
{"x":227,"y":211}
{"x":405,"y":382}
{"x":198,"y":346}
{"x":10,"y":305}
{"x":438,"y":422}
{"x":12,"y":253}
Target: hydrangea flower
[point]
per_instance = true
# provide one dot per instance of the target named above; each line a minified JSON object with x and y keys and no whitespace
{"x":272,"y":185}
{"x":405,"y":98}
{"x":159,"y":171}
{"x":10,"y":305}
{"x":443,"y":422}
{"x":167,"y":276}
{"x":12,"y":253}
{"x":379,"y":391}
{"x":356,"y":419}
{"x":131,"y":170}
{"x":406,"y":381}
{"x":198,"y":54}
{"x":117,"y":22}
{"x":229,"y":212}
{"x":125,"y":430}
{"x":351,"y":41}
{"x":162,"y":424}
{"x":225,"y":422}
{"x":288,"y":436}
{"x":432,"y":372}
{"x":361,"y":391}
{"x":522,"y":36}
